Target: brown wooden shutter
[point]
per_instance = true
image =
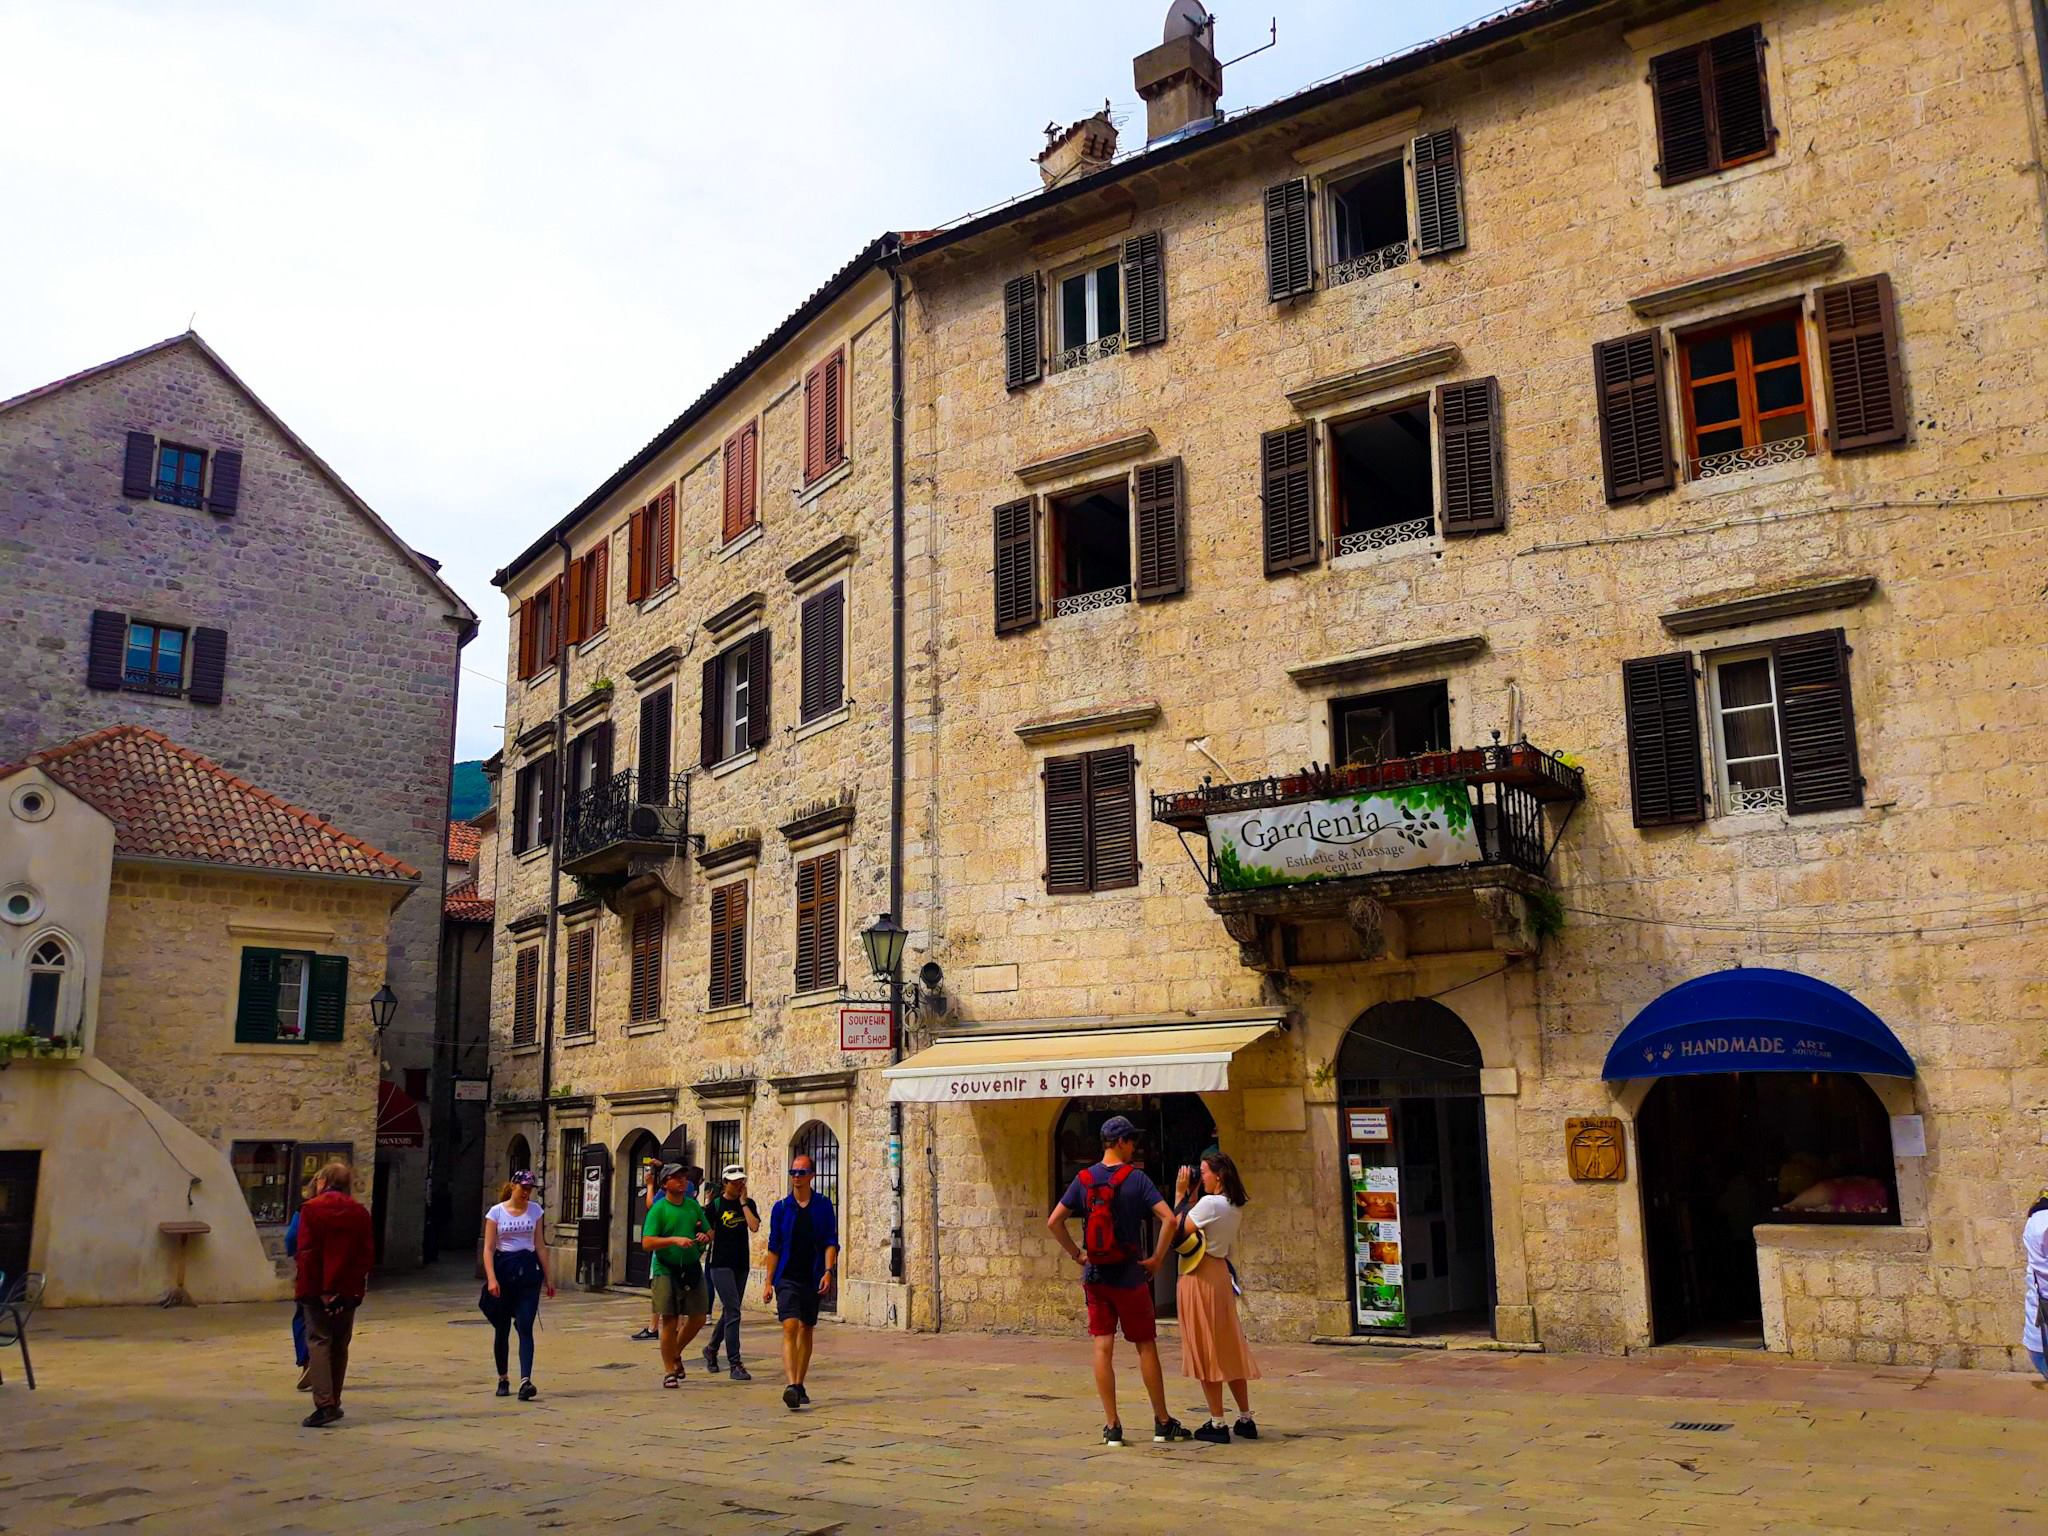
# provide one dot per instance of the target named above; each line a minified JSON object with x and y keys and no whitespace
{"x":720,"y":982}
{"x":545,"y":774}
{"x":1816,"y":722}
{"x":224,"y":493}
{"x":729,"y":945}
{"x":598,"y":603}
{"x":1066,"y":824}
{"x":1162,"y":530}
{"x":209,"y":665}
{"x":643,"y":1000}
{"x":824,"y":669}
{"x":1678,"y":88}
{"x":1112,"y":819}
{"x":1287,"y":477}
{"x":522,"y":793}
{"x":1016,"y":565}
{"x":1663,"y":720}
{"x":1475,"y":492}
{"x":814,"y":424}
{"x":834,"y":380}
{"x":573,"y":587}
{"x":526,"y":996}
{"x":740,"y":506}
{"x":601,"y":752}
{"x":711,"y":718}
{"x":636,"y":557}
{"x":1741,"y":100}
{"x":1022,"y":360}
{"x":576,"y":999}
{"x":138,"y":465}
{"x":106,"y":649}
{"x":1635,"y":449}
{"x":806,"y":925}
{"x":522,"y":624}
{"x":1439,"y":193}
{"x":757,"y":688}
{"x":1289,"y":269}
{"x":662,"y":559}
{"x":1144,"y":292}
{"x":1859,"y":340}
{"x":657,"y":717}
{"x":827,"y":920}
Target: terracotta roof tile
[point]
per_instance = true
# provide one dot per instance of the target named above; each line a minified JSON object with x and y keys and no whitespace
{"x":168,"y":802}
{"x":463,"y":837}
{"x":463,"y":905}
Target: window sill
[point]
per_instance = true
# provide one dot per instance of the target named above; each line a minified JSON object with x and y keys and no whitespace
{"x":265,"y":1048}
{"x":1758,"y":823}
{"x":571,"y":1042}
{"x":584,"y":648}
{"x":144,"y":691}
{"x":1755,"y":475}
{"x":823,"y":723}
{"x":1082,"y":604}
{"x":647,"y":1027}
{"x":818,"y":998}
{"x":654,"y":600}
{"x":532,"y":855}
{"x":720,"y":769}
{"x":544,"y":675}
{"x":746,"y":540}
{"x":726,"y":1015}
{"x":532,"y":1049}
{"x":824,"y":483}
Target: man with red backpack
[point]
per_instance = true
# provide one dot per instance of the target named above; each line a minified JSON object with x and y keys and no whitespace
{"x":1112,"y":1200}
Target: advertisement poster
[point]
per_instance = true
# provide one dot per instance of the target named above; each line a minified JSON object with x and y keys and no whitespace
{"x":1368,"y":1125}
{"x":1381,"y":1295}
{"x":1421,"y":826}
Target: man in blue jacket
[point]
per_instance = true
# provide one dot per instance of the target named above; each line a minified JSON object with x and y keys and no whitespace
{"x":803,"y":1258}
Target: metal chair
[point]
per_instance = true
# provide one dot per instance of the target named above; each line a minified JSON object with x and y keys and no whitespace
{"x":15,"y":1311}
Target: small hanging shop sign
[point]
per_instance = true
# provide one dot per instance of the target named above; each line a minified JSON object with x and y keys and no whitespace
{"x":1368,"y":1126}
{"x":1595,"y":1149}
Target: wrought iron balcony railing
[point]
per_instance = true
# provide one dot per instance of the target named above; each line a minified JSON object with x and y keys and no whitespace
{"x":1386,"y":537}
{"x":143,"y":680}
{"x":623,"y":813}
{"x":1385,"y":259}
{"x":177,"y":495}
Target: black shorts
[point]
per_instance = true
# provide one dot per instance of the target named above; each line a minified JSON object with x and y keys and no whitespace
{"x":793,"y":1300}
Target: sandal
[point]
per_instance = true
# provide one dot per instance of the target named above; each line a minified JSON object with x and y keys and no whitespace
{"x":672,"y":1380}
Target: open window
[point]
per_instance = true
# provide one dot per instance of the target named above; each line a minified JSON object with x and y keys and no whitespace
{"x":1381,"y":489}
{"x":1088,"y":305}
{"x":1745,"y":734}
{"x":1368,"y":221}
{"x":1399,"y":722}
{"x":1091,"y":549}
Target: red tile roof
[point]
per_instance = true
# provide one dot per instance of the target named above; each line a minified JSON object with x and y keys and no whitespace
{"x":463,"y":905}
{"x":168,"y":802}
{"x":463,"y":837}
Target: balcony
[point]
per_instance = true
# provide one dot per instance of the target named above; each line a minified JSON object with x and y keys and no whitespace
{"x":1443,"y":852}
{"x":612,"y":830}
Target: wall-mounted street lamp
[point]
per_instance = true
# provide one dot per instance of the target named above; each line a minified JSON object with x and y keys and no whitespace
{"x":383,"y":1007}
{"x":884,"y":940}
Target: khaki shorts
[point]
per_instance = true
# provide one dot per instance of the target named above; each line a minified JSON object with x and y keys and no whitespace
{"x":673,"y":1297}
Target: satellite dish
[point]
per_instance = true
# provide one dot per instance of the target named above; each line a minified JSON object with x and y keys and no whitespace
{"x":1186,"y":18}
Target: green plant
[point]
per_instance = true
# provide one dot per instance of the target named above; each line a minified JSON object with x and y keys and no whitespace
{"x":1569,"y":759}
{"x":1323,"y":1074}
{"x":602,"y":685}
{"x":1546,"y":914}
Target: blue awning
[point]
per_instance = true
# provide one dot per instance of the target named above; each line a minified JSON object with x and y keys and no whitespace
{"x":1752,"y":1019}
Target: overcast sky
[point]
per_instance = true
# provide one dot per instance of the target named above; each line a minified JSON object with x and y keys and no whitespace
{"x":478,"y":254}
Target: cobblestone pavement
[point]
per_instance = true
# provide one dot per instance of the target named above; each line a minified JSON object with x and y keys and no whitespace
{"x":187,"y":1421}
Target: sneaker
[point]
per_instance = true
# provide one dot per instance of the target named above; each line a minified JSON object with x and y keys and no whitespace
{"x":711,"y":1360}
{"x":1246,"y":1429}
{"x":740,"y":1372}
{"x":1212,"y":1434}
{"x":305,"y":1378}
{"x":803,"y":1394}
{"x":1170,"y":1431}
{"x":644,"y":1334}
{"x":528,"y":1392}
{"x":1113,"y":1434}
{"x":792,"y":1397}
{"x":320,"y":1418}
{"x":504,"y":1387}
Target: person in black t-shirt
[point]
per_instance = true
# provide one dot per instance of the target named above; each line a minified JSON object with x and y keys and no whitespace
{"x":734,"y":1220}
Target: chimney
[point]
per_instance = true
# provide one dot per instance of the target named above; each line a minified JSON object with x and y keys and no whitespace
{"x":1180,"y":80}
{"x":1080,"y":149}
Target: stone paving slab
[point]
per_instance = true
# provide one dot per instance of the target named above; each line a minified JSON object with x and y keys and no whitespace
{"x":187,"y":1422}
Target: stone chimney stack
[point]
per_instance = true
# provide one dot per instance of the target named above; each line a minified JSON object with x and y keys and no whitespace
{"x":1180,"y":80}
{"x":1078,"y":149}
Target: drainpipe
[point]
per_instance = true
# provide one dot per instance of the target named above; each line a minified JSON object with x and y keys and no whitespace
{"x":547,"y":1036}
{"x":896,"y":713}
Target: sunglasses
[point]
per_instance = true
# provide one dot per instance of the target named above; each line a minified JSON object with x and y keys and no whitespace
{"x":801,"y":1173}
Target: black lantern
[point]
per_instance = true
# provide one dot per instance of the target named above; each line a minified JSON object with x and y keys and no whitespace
{"x":383,"y":1007}
{"x":884,"y":944}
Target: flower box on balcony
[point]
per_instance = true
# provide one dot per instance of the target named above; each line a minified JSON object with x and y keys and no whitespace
{"x":1467,"y":762}
{"x":1356,"y":776}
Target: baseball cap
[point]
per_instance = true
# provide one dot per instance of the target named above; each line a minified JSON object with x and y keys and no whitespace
{"x":525,"y":1176}
{"x":673,"y":1171}
{"x":1116,"y":1128}
{"x":734,"y":1171}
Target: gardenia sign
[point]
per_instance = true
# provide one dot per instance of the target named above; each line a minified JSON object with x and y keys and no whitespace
{"x":1423,"y":826}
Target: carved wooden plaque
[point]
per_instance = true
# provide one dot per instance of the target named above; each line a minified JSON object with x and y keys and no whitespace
{"x":1595,"y":1148}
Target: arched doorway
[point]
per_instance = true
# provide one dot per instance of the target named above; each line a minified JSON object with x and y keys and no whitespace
{"x":640,"y":1152}
{"x":1413,"y":1128}
{"x":518,"y":1158}
{"x":1721,"y":1153}
{"x":815,"y":1140}
{"x":1175,"y":1130}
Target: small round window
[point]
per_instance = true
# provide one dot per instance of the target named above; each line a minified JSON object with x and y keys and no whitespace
{"x":20,"y":904}
{"x":31,"y":802}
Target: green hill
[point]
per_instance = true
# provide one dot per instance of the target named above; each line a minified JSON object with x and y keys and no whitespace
{"x":468,"y":791}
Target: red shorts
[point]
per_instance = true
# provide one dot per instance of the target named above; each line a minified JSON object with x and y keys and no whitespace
{"x":1121,"y":1306}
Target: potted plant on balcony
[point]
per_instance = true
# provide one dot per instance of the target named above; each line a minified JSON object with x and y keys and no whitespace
{"x":1467,"y":761}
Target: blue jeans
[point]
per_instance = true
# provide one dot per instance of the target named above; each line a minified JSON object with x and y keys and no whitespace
{"x":2040,"y":1362}
{"x":728,"y":1285}
{"x":520,"y":1283}
{"x":299,"y":1336}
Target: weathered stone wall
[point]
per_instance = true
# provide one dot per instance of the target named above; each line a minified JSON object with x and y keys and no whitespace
{"x":1906,"y":134}
{"x":602,"y":1082}
{"x":342,"y":654}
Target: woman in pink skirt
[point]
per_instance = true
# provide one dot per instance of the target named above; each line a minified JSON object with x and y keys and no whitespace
{"x":1212,"y":1343}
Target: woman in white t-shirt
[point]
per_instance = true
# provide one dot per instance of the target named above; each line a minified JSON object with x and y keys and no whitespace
{"x":515,"y":1276}
{"x":2034,"y":1246}
{"x":1213,"y":1349}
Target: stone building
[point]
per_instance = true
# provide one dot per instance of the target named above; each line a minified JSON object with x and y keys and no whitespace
{"x":463,"y":1032}
{"x":178,"y":558}
{"x":1474,"y":636}
{"x":187,"y":970}
{"x":696,"y":810}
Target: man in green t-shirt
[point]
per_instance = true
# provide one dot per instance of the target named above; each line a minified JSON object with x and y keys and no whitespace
{"x":676,"y":1232}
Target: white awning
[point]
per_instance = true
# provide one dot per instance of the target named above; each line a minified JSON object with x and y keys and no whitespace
{"x":1070,"y":1063}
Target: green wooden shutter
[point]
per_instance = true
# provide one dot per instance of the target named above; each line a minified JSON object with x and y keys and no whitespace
{"x":256,"y":1003}
{"x":327,"y":1006}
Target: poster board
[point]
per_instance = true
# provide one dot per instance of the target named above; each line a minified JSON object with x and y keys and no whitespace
{"x":1379,"y":1280}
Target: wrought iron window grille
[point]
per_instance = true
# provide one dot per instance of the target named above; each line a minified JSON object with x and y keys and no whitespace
{"x":1088,"y":351}
{"x":1385,"y":259}
{"x":1387,"y":537}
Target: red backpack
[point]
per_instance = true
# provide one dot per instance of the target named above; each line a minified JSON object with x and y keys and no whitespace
{"x":1098,"y":1237}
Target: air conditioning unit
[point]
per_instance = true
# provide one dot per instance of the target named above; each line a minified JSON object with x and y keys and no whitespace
{"x":657,"y":823}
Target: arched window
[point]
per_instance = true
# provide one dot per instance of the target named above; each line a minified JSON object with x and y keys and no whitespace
{"x":48,"y":964}
{"x":816,"y":1141}
{"x":518,"y":1156}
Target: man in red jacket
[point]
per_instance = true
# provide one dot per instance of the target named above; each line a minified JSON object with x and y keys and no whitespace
{"x":335,"y":1254}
